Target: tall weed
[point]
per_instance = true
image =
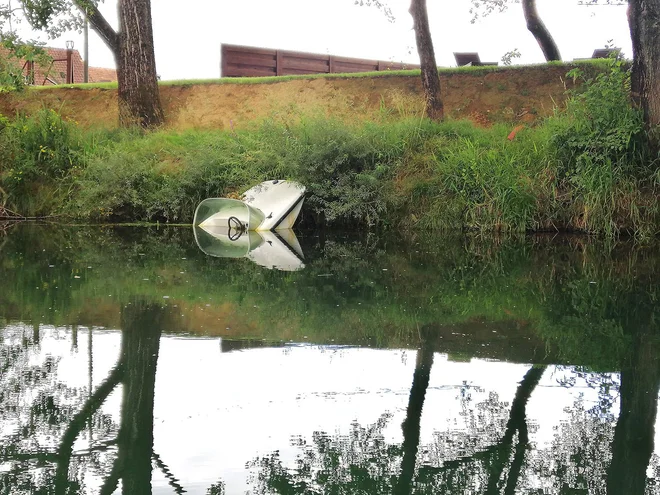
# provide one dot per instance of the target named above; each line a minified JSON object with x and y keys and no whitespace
{"x":347,"y":168}
{"x":35,"y":151}
{"x":483,"y":180}
{"x":164,"y":175}
{"x":582,"y":169}
{"x":599,"y":127}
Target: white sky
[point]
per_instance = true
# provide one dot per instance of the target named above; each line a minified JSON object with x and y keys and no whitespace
{"x":188,"y":35}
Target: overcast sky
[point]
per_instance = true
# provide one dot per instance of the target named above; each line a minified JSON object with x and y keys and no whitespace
{"x":187,"y":35}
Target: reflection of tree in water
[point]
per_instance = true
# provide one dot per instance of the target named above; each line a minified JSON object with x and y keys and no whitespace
{"x":59,"y":415}
{"x":491,"y":454}
{"x":634,"y":434}
{"x":364,"y":462}
{"x":141,"y":328}
{"x":473,"y":461}
{"x":579,"y":454}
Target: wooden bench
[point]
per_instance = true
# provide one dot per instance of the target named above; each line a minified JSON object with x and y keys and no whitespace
{"x":470,"y":58}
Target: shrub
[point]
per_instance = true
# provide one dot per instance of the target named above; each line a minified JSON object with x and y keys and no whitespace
{"x":600,"y":128}
{"x":34,"y":151}
{"x":346,"y":169}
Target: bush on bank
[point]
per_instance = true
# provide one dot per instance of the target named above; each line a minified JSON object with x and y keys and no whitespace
{"x":585,"y":168}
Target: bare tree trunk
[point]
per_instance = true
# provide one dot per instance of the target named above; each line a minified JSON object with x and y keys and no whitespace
{"x":430,"y":77}
{"x":540,"y":32}
{"x":139,"y":99}
{"x":644,"y":22}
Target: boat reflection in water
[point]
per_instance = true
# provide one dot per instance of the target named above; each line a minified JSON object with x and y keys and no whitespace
{"x":278,"y":250}
{"x":258,"y":226}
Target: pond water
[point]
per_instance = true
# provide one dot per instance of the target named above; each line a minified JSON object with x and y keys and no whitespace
{"x":137,"y":360}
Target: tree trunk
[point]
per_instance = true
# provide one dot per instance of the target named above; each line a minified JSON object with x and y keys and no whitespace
{"x":133,"y":49}
{"x":430,"y":77}
{"x":100,"y":25}
{"x":141,"y":329}
{"x":644,"y":22}
{"x":540,"y":32}
{"x":634,"y":434}
{"x":410,"y":426}
{"x":517,"y":422}
{"x":139,"y":99}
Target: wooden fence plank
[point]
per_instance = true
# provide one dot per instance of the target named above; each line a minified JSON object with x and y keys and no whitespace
{"x":249,"y":72}
{"x":306,"y":64}
{"x":355,"y":67}
{"x":300,"y":72}
{"x":250,"y":61}
{"x":279,"y":63}
{"x":248,"y":49}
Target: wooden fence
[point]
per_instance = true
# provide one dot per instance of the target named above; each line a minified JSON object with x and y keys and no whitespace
{"x":246,"y":61}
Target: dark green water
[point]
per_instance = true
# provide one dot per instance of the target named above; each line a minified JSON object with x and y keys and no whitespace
{"x":132,"y":362}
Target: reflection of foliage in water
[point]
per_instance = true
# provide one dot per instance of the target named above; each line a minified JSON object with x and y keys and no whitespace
{"x":38,"y":408}
{"x":579,"y":454}
{"x":352,"y":290}
{"x":482,"y":425}
{"x":377,"y":285}
{"x":48,"y":418}
{"x":358,"y":462}
{"x":469,"y":458}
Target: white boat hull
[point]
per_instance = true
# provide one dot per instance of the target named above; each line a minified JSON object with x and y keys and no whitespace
{"x":271,"y":205}
{"x":276,"y":250}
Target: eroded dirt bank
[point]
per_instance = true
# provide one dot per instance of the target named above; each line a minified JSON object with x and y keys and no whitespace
{"x":510,"y":95}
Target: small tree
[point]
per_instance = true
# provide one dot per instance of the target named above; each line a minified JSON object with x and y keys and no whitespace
{"x":430,"y":77}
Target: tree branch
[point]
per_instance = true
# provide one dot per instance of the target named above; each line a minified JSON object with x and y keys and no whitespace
{"x":112,"y":481}
{"x":77,"y":424}
{"x":100,"y":25}
{"x":539,"y":31}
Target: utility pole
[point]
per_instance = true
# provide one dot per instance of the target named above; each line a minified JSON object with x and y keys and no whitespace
{"x":69,"y":62}
{"x":86,"y":50}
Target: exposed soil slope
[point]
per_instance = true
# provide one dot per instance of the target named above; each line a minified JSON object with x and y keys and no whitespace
{"x":510,"y":95}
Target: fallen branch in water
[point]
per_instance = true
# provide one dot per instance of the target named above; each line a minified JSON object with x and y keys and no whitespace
{"x":7,"y":214}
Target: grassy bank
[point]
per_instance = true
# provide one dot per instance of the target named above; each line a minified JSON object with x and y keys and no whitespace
{"x":585,"y":168}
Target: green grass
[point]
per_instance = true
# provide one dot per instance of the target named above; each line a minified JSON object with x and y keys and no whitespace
{"x":587,"y":64}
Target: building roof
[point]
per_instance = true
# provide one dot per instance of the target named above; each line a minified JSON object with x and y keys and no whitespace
{"x":100,"y":74}
{"x":55,"y":72}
